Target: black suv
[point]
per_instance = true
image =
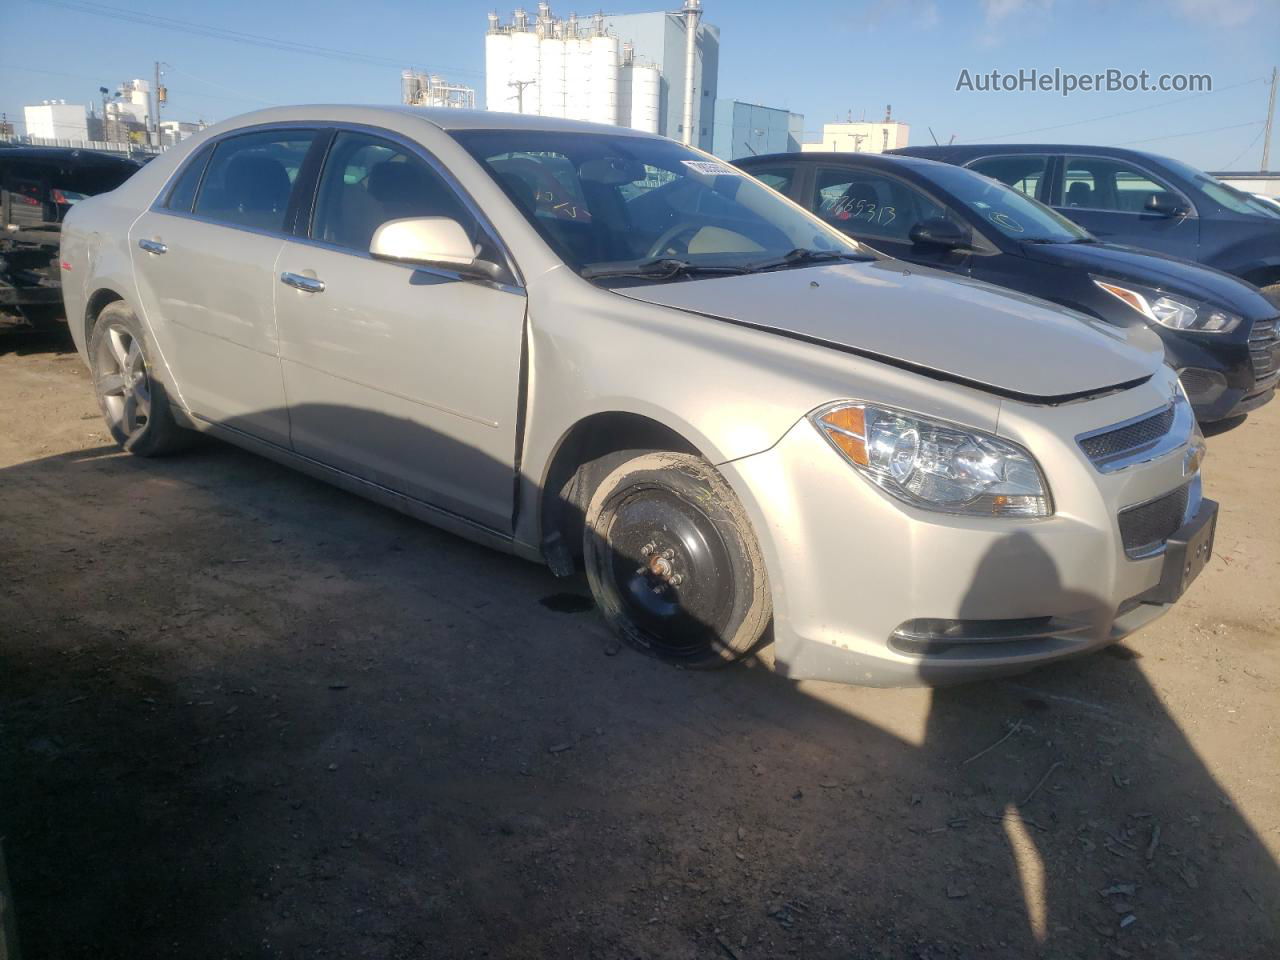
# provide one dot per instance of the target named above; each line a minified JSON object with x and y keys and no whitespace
{"x":1216,"y":330}
{"x":38,"y":185}
{"x":1138,"y":199}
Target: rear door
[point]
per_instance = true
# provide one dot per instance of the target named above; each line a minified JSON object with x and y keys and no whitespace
{"x":406,"y":377}
{"x":204,"y":257}
{"x":1108,"y":197}
{"x":1027,"y":172}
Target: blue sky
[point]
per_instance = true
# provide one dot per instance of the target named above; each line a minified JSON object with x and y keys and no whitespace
{"x":822,"y":59}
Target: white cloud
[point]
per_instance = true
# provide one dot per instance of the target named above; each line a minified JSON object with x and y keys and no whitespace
{"x":1214,"y":12}
{"x":997,"y":11}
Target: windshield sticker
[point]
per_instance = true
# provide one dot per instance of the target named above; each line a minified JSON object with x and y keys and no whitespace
{"x":711,"y":168}
{"x":1006,"y":222}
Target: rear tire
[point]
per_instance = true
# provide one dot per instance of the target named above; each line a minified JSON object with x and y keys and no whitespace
{"x":133,"y":402}
{"x":673,"y":563}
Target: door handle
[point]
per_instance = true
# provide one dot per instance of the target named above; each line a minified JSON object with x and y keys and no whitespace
{"x":305,"y":284}
{"x":153,"y":246}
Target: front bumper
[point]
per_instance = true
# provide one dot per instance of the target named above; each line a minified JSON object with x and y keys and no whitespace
{"x":855,"y":573}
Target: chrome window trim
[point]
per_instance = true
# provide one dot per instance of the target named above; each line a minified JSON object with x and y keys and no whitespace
{"x":1067,"y":157}
{"x":1178,"y":436}
{"x":320,"y":127}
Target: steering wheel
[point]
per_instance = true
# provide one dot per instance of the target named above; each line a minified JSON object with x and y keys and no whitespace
{"x":670,"y":234}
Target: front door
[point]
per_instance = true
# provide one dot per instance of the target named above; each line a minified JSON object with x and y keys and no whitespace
{"x":880,"y":210}
{"x":1108,"y":197}
{"x":405,"y":377}
{"x":205,"y":264}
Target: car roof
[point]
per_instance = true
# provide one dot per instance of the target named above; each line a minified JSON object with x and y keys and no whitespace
{"x":444,"y":118}
{"x":66,"y":153}
{"x":896,"y":161}
{"x":952,"y":152}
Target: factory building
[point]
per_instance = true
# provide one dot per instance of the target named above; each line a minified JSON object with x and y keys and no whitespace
{"x":431,"y":90}
{"x":634,"y":70}
{"x":749,"y":129}
{"x":861,"y":136}
{"x":57,"y":120}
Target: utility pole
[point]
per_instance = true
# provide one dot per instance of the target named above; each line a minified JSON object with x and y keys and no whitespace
{"x":520,"y":85}
{"x":1271,"y":115}
{"x":158,"y":93}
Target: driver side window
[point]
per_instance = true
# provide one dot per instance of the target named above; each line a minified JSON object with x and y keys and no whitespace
{"x":367,"y":181}
{"x":867,"y":204}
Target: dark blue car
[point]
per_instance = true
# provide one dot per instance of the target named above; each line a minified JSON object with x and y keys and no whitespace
{"x":1138,"y":199}
{"x":1219,"y":332}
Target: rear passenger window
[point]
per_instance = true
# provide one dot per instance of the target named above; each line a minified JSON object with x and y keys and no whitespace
{"x":1024,"y":173}
{"x":250,"y":178}
{"x":1101,"y":183}
{"x":184,"y":190}
{"x":368,"y":181}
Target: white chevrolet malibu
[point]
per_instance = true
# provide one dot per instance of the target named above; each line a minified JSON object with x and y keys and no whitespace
{"x":591,"y":346}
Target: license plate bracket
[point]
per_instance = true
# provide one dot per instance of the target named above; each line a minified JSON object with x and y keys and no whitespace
{"x":1186,"y":554}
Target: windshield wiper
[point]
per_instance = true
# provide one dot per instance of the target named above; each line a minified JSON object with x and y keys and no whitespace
{"x":662,"y":268}
{"x":803,"y":256}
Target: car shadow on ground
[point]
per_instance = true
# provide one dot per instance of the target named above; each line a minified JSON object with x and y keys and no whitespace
{"x":246,"y":714}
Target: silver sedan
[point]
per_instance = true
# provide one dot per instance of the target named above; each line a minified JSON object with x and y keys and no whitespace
{"x":598,"y":348}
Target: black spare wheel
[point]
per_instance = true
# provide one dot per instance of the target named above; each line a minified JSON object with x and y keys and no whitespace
{"x":673,"y":562}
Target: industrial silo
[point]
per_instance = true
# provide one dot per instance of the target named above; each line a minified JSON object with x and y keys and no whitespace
{"x":605,"y":53}
{"x":646,"y":97}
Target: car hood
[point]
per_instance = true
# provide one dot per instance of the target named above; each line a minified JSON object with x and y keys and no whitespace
{"x":1169,"y":274}
{"x":926,"y":321}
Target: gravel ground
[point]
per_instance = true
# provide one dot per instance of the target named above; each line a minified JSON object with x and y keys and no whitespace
{"x":243,"y":714}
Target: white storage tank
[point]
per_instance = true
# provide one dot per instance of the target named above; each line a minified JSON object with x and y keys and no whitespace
{"x":551,"y":93}
{"x":524,"y":67}
{"x":646,"y":98}
{"x":497,"y":72}
{"x":577,"y":79}
{"x":605,"y":54}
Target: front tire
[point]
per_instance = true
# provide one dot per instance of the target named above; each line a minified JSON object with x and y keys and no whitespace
{"x":673,"y":563}
{"x":132,"y":400}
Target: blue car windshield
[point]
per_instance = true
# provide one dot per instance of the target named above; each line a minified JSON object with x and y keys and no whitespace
{"x":1237,"y":201}
{"x":1010,"y":211}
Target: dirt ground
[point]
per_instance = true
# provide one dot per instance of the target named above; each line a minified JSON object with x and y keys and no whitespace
{"x":243,"y":714}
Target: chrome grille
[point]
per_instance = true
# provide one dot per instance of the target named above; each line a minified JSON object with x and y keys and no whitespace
{"x":1127,"y":439}
{"x":1145,"y":528}
{"x":1263,"y":346}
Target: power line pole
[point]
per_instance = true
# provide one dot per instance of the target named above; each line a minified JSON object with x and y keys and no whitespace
{"x":156,"y":94}
{"x":520,"y":85}
{"x":1271,"y":114}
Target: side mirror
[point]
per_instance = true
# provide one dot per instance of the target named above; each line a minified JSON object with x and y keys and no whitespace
{"x":431,"y":242}
{"x":939,"y":232}
{"x":1165,"y":205}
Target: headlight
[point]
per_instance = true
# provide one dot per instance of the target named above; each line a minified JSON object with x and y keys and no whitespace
{"x":1172,"y":312}
{"x":935,"y":465}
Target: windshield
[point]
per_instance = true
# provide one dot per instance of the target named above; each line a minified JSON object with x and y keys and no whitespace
{"x":1229,"y":197}
{"x":1010,"y":211}
{"x":604,"y":202}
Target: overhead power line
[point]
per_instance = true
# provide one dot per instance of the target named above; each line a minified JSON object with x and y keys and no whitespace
{"x":1119,"y":113}
{"x":1189,"y":133}
{"x":235,"y":36}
